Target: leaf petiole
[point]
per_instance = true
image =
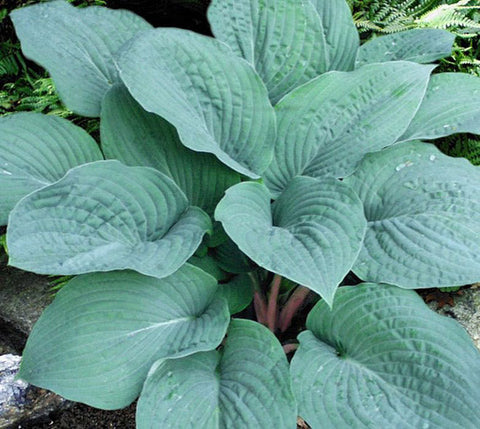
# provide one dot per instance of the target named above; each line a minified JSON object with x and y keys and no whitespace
{"x":295,"y":301}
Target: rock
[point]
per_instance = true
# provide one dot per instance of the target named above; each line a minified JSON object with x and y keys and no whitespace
{"x":20,"y":401}
{"x":6,"y":347}
{"x":23,"y":296}
{"x":466,"y":310}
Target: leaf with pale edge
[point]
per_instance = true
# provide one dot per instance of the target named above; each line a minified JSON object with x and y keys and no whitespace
{"x":215,"y":100}
{"x":244,"y":385}
{"x":382,"y":359}
{"x":136,"y":137}
{"x":420,"y":45}
{"x":311,"y":235}
{"x":77,"y":47}
{"x":451,"y":105}
{"x":326,"y":126}
{"x":423,"y":213}
{"x":104,"y":216}
{"x":37,"y":150}
{"x":286,"y":42}
{"x":97,"y":341}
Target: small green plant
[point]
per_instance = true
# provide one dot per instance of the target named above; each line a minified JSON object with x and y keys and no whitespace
{"x":381,"y":16}
{"x":246,"y":176}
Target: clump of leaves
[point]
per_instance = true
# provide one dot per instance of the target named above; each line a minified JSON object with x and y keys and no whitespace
{"x":279,"y":150}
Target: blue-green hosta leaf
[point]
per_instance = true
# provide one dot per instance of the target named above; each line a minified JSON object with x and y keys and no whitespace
{"x":451,"y":105}
{"x":216,"y":101}
{"x":230,"y":258}
{"x":136,"y":137}
{"x":245,"y":385}
{"x":287,"y":42}
{"x":423,"y":213}
{"x":341,"y":35}
{"x":238,"y":291}
{"x":326,"y":126}
{"x":382,"y":359}
{"x":210,"y":266}
{"x":37,"y":150}
{"x":105,"y":216}
{"x":312,"y":235}
{"x":76,"y":46}
{"x":97,"y":341}
{"x":420,"y":45}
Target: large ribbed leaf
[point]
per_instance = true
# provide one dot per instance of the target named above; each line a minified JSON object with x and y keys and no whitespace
{"x":136,"y":137}
{"x":105,"y":216}
{"x":37,"y":150}
{"x":423,"y":213}
{"x":311,"y":235}
{"x":451,"y":105}
{"x":216,"y":101}
{"x":244,"y":385}
{"x":326,"y":126}
{"x":341,"y":35}
{"x":420,"y":45}
{"x":76,"y":46}
{"x":382,"y":359}
{"x":288,"y":42}
{"x":97,"y":341}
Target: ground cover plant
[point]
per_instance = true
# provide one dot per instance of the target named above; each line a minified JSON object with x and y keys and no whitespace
{"x":241,"y":176}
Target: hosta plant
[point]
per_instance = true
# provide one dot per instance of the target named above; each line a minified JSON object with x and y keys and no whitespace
{"x":239,"y":181}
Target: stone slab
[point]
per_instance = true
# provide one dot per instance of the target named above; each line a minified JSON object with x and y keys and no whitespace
{"x":466,"y":310}
{"x":23,"y":297}
{"x":20,"y":401}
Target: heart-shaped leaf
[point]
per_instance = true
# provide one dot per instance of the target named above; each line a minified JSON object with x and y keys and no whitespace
{"x":76,"y":46}
{"x":245,"y":384}
{"x":288,"y":42}
{"x":312,"y":235}
{"x":136,"y":137}
{"x":423,"y":213}
{"x":216,"y":101}
{"x":451,"y":105}
{"x":37,"y":150}
{"x":97,"y":341}
{"x":326,"y":126}
{"x":105,"y":216}
{"x":420,"y":45}
{"x":382,"y":359}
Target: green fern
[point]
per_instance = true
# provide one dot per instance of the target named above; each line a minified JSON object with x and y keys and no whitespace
{"x":11,"y":61}
{"x":3,"y":243}
{"x":461,"y":145}
{"x":446,"y":16}
{"x":382,"y":16}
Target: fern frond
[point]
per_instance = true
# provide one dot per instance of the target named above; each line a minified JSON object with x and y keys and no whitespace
{"x":11,"y":60}
{"x":383,"y":16}
{"x":461,"y":145}
{"x":448,"y":15}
